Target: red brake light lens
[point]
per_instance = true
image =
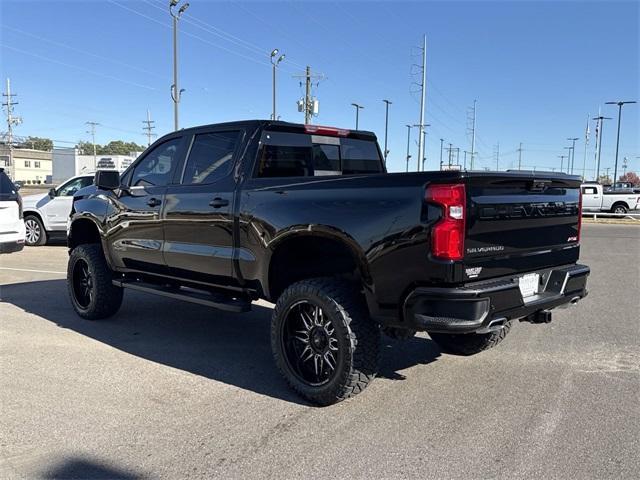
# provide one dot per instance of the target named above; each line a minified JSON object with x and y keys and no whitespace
{"x":320,"y":130}
{"x":447,"y":235}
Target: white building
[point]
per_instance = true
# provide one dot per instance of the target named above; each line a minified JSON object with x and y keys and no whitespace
{"x":31,"y":167}
{"x":68,"y":163}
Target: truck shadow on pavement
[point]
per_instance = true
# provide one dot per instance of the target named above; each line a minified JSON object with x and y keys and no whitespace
{"x":88,"y":469}
{"x":227,"y":347}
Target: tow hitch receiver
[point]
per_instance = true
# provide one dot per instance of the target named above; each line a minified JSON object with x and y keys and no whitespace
{"x":541,"y":316}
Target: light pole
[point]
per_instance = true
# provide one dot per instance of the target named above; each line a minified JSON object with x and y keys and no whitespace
{"x":176,"y":93}
{"x":358,"y":107}
{"x":274,"y":64}
{"x":408,"y":145}
{"x":573,"y":151}
{"x":441,"y":145}
{"x":568,"y":157}
{"x":562,"y":157}
{"x":386,"y":127}
{"x":600,"y":119}
{"x":615,"y":168}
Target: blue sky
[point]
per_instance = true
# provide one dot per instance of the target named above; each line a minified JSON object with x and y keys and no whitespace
{"x":537,"y":69}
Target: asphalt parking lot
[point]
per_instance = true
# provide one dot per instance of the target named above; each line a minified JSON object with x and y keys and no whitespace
{"x":174,"y":390}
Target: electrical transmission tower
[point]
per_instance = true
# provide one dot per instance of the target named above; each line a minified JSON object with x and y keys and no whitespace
{"x":423,"y":93}
{"x":148,"y":128}
{"x":471,"y":130}
{"x":92,"y":126}
{"x":309,"y":105}
{"x":11,"y":121}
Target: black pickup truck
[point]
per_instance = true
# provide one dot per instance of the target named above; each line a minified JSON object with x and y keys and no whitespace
{"x":307,"y":217}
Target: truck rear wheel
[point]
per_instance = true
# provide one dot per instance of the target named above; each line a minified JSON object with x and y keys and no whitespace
{"x":92,"y":294}
{"x":619,"y":208}
{"x":323,"y":341}
{"x":470,"y":343}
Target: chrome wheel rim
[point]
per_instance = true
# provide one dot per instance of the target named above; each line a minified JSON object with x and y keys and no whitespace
{"x":310,"y":343}
{"x":619,"y":210}
{"x":32,"y":231}
{"x":82,"y":283}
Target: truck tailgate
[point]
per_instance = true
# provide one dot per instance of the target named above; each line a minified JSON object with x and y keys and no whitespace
{"x":519,"y":224}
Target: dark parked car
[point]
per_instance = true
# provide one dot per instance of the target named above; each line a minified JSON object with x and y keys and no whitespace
{"x":307,"y":217}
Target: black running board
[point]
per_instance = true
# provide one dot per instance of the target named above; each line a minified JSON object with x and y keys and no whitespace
{"x":219,"y":301}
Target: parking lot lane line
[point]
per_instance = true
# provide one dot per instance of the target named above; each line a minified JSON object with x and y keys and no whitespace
{"x":34,"y":271}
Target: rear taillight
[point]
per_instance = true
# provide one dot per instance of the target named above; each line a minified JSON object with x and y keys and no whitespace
{"x":579,"y":214}
{"x":447,"y":235}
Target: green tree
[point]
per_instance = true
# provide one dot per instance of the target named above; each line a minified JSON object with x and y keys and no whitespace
{"x":38,"y":143}
{"x":114,"y":147}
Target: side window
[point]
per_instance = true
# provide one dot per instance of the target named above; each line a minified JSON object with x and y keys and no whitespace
{"x":155,"y":168}
{"x":589,"y":190}
{"x":211,"y":157}
{"x":69,"y":188}
{"x":285,"y":161}
{"x":360,"y":156}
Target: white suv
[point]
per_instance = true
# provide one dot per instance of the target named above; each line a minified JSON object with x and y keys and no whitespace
{"x":12,"y":230}
{"x":46,"y":214}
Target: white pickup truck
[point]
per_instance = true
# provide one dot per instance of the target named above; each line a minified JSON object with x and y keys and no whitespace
{"x":595,"y":199}
{"x":46,"y":214}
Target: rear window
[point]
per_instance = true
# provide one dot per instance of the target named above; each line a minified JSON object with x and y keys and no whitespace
{"x":7,"y":189}
{"x":303,"y":155}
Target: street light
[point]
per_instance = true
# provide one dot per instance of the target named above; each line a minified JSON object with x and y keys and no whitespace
{"x":408,"y":143}
{"x":176,"y":92}
{"x":358,"y":107}
{"x":568,"y":158}
{"x":615,"y":168}
{"x":573,"y":152}
{"x":274,"y":64}
{"x":386,"y":127}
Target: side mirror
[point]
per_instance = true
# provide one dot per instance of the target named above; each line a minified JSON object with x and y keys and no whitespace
{"x":107,"y":179}
{"x":52,"y":193}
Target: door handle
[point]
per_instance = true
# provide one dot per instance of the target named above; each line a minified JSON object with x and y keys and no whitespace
{"x":219,"y":202}
{"x":153,"y":202}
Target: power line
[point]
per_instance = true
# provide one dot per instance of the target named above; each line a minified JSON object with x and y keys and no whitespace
{"x":11,"y":121}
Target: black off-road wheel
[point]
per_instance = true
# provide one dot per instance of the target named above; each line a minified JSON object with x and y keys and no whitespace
{"x":470,"y":343}
{"x":35,"y":234}
{"x":323,"y":341}
{"x":92,"y":294}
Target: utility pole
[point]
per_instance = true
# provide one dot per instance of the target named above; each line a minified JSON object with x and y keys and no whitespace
{"x":615,"y":168}
{"x":386,"y":128}
{"x":424,"y":150}
{"x":308,"y":105}
{"x":472,"y":130}
{"x":408,"y":145}
{"x":450,"y":151}
{"x":498,"y":156}
{"x":176,"y":92}
{"x":11,"y":121}
{"x":520,"y":157}
{"x":624,"y":166}
{"x":423,"y":93}
{"x":562,"y":157}
{"x":573,"y":153}
{"x":358,"y":108}
{"x":274,"y":65}
{"x":441,"y":144}
{"x":599,"y":129}
{"x":93,"y":126}
{"x":148,"y":127}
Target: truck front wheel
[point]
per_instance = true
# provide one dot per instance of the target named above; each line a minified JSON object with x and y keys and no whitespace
{"x":323,"y":341}
{"x":470,"y":343}
{"x":92,"y":294}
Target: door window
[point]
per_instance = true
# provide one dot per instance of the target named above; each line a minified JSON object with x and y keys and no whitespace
{"x":210,"y":157}
{"x":156,"y":167}
{"x":72,"y":186}
{"x":589,"y":190}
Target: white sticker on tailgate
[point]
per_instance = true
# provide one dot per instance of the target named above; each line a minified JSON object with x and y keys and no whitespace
{"x":529,"y":284}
